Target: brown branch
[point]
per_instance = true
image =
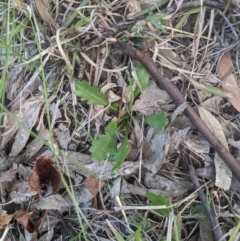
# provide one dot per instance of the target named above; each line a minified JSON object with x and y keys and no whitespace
{"x":217,"y":232}
{"x":128,"y":50}
{"x":215,"y":227}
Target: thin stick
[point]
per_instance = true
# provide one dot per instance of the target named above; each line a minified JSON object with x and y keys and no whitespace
{"x":217,"y":232}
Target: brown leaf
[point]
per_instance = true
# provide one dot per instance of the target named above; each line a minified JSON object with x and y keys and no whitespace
{"x":45,"y":15}
{"x":22,"y":217}
{"x":93,"y":185}
{"x":53,"y":202}
{"x":34,"y":183}
{"x":44,"y":174}
{"x":229,"y":83}
{"x":5,"y":219}
{"x":225,"y":66}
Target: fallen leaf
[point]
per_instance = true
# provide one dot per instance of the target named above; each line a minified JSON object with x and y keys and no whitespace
{"x":154,"y":150}
{"x":83,"y":197}
{"x":35,"y":145}
{"x":22,"y":217}
{"x":5,"y":219}
{"x":45,"y":15}
{"x":197,"y":143}
{"x":54,"y":111}
{"x":21,"y":192}
{"x":178,"y":111}
{"x":209,"y":173}
{"x":62,"y":134}
{"x":9,"y":175}
{"x":151,"y":100}
{"x":112,"y":97}
{"x":34,"y":183}
{"x":84,"y":165}
{"x":73,"y":173}
{"x":23,"y":134}
{"x":44,"y":174}
{"x":229,"y":83}
{"x":177,"y":138}
{"x":53,"y":202}
{"x":165,"y":186}
{"x":14,"y":81}
{"x":93,"y":185}
{"x":27,"y":116}
{"x":223,"y":173}
{"x":31,"y":86}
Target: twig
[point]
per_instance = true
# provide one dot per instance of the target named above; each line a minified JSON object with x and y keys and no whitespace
{"x":217,"y":232}
{"x":128,"y":50}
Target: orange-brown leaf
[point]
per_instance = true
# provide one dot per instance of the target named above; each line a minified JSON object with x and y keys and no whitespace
{"x":34,"y":183}
{"x":229,"y":83}
{"x":93,"y":185}
{"x":5,"y":219}
{"x":22,"y":217}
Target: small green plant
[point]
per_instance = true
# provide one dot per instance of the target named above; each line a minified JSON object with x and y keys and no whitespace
{"x":155,"y":19}
{"x":106,"y":145}
{"x":157,"y":200}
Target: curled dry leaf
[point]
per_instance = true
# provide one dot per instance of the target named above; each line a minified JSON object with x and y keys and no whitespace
{"x":44,"y":174}
{"x":22,"y":217}
{"x":229,"y":83}
{"x":5,"y":219}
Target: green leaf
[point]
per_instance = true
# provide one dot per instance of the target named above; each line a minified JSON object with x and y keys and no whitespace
{"x":19,"y":27}
{"x":119,"y":236}
{"x":111,"y":128}
{"x":102,"y":147}
{"x":105,"y":145}
{"x":89,"y":93}
{"x":157,"y":200}
{"x":199,"y":209}
{"x":138,"y":235}
{"x":157,"y":120}
{"x":143,"y":78}
{"x":122,"y":152}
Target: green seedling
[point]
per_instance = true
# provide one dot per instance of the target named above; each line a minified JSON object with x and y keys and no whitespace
{"x":109,"y":145}
{"x":157,"y":200}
